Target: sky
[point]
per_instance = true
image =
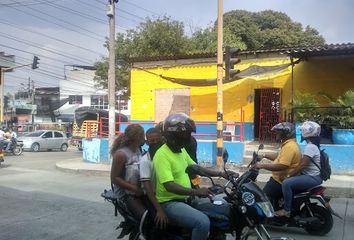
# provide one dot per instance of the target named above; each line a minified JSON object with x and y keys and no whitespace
{"x":72,"y":32}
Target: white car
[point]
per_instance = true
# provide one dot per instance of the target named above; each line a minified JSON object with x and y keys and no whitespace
{"x":45,"y":139}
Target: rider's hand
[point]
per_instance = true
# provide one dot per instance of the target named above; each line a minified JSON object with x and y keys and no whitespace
{"x":257,"y":166}
{"x":229,"y":174}
{"x":261,"y":156}
{"x":161,"y":219}
{"x":203,"y":192}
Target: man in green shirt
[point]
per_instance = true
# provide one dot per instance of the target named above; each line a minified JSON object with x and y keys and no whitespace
{"x":173,"y":186}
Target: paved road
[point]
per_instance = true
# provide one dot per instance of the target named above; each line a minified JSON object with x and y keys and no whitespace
{"x":39,"y":202}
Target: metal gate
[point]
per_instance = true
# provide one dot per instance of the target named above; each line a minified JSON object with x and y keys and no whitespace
{"x":269,"y":114}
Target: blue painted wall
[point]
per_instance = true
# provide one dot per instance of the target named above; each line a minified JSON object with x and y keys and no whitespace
{"x":341,"y":157}
{"x":95,"y":150}
{"x":205,"y":129}
{"x":206,"y":151}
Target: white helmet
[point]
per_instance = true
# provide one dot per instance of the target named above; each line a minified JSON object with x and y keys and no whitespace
{"x":310,"y":129}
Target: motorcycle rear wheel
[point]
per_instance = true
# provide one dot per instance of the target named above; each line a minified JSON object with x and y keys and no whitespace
{"x":326,"y":220}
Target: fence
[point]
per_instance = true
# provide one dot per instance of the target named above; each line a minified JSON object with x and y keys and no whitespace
{"x":233,"y":131}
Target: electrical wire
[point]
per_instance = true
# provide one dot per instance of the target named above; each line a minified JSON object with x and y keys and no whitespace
{"x":8,"y":36}
{"x":87,"y":16}
{"x":131,"y":14}
{"x":51,"y":66}
{"x":100,"y":2}
{"x":40,"y":55}
{"x":62,"y":20}
{"x":137,"y":6}
{"x":57,"y":24}
{"x":23,"y":3}
{"x":4,"y":22}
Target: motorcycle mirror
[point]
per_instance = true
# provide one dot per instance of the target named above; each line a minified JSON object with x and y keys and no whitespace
{"x":261,"y":146}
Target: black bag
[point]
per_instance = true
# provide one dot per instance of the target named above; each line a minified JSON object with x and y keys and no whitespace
{"x":325,"y":168}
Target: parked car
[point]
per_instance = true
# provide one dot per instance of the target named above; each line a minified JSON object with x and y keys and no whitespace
{"x":45,"y":139}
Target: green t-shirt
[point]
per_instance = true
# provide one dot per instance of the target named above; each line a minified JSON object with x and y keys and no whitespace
{"x":171,"y":167}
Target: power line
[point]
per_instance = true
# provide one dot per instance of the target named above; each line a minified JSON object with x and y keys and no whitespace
{"x":87,"y":16}
{"x":57,"y":24}
{"x":42,"y":48}
{"x":54,"y":59}
{"x":137,"y":6}
{"x":52,"y":66}
{"x":23,"y":3}
{"x":2,"y":21}
{"x":100,"y":2}
{"x":83,"y":2}
{"x":131,"y":14}
{"x":70,"y":23}
{"x":14,"y":78}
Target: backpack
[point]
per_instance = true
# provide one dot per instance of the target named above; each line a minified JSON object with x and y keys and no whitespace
{"x":325,"y":168}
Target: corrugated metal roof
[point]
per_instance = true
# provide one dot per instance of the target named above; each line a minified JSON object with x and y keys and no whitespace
{"x":323,"y":50}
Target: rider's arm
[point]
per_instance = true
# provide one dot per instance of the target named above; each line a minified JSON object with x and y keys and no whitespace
{"x":272,"y":166}
{"x":180,"y":190}
{"x":213,"y":172}
{"x":270,"y":155}
{"x":117,"y":170}
{"x":304,"y":162}
{"x":145,"y":178}
{"x":151,"y":195}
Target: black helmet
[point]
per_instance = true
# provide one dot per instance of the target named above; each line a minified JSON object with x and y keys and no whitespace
{"x":177,"y":129}
{"x":179,"y":122}
{"x":286,"y":129}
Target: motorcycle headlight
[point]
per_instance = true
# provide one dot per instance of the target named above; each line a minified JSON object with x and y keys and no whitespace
{"x":267,"y":208}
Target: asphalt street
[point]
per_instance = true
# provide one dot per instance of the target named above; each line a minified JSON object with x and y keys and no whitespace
{"x":39,"y":202}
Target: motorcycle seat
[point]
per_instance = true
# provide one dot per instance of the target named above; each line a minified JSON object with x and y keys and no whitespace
{"x":308,"y":191}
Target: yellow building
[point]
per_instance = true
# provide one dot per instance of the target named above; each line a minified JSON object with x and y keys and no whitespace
{"x":262,"y":94}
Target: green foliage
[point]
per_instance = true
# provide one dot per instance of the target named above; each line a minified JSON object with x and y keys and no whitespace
{"x":269,"y":29}
{"x":342,"y":115}
{"x":306,"y":108}
{"x":165,"y":37}
{"x":161,"y":37}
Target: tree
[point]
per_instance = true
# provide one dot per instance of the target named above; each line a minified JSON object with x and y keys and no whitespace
{"x":166,"y":37}
{"x":269,"y":29}
{"x":160,"y":37}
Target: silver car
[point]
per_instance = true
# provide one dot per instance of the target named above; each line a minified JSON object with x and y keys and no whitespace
{"x":45,"y":139}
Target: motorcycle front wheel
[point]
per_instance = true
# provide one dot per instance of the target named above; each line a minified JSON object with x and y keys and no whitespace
{"x":325,"y":218}
{"x":17,"y":150}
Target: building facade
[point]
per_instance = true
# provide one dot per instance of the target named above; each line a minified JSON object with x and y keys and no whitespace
{"x":262,"y":94}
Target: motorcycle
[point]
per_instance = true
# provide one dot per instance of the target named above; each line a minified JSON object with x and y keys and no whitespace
{"x":16,"y":147}
{"x":249,"y":210}
{"x":311,"y":210}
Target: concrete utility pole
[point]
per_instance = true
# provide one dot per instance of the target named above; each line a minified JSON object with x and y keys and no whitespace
{"x":2,"y":90}
{"x":111,"y":72}
{"x":219,"y":96}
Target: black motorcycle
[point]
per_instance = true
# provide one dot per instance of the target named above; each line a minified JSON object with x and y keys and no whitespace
{"x":249,"y":210}
{"x":16,"y":147}
{"x":311,"y":211}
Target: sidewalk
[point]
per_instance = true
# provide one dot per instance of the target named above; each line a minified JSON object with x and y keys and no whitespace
{"x":339,"y":186}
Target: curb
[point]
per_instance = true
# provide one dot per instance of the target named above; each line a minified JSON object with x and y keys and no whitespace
{"x":331,"y":191}
{"x":66,"y":166}
{"x":77,"y":166}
